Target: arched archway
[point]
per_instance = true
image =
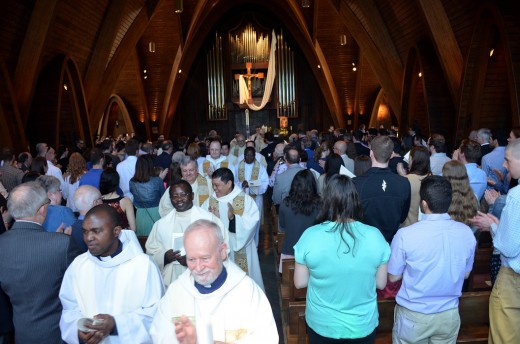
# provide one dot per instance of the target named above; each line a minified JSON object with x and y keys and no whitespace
{"x":116,"y":119}
{"x":382,"y":113}
{"x":427,"y":105}
{"x":488,"y":97}
{"x":59,"y":113}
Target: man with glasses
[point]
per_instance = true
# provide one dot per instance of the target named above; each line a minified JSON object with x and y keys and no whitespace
{"x":164,"y":243}
{"x":32,"y":265}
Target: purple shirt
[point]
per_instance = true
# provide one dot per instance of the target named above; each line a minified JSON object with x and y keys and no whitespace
{"x":433,"y":255}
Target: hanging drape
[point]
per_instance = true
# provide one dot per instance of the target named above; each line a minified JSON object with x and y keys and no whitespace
{"x":271,"y":74}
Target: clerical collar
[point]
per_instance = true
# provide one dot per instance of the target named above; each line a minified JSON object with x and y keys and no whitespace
{"x":208,"y":289}
{"x":119,"y":250}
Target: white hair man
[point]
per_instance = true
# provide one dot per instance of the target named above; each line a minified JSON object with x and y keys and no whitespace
{"x":224,"y":305}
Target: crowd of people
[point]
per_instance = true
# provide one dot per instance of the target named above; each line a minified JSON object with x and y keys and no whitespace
{"x":367,"y":214}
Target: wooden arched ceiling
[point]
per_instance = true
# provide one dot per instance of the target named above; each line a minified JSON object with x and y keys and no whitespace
{"x":109,"y":42}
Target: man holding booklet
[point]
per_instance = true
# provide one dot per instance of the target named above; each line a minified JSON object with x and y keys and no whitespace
{"x":164,"y":243}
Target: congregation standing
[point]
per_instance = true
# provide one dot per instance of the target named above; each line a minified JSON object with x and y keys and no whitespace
{"x":367,"y":215}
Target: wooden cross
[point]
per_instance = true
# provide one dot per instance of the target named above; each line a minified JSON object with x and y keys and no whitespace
{"x":248,"y":76}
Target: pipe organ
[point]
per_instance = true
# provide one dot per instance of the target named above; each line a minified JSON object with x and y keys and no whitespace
{"x":216,"y":91}
{"x":285,"y":73}
{"x":248,"y":48}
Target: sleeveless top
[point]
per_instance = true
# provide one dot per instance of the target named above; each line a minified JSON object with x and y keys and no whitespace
{"x":114,"y":203}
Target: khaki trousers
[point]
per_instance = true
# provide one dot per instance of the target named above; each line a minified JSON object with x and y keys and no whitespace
{"x":419,"y":328}
{"x":504,"y":308}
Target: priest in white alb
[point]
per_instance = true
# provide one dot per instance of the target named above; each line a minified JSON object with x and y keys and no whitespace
{"x":200,"y":185}
{"x":114,"y":285}
{"x":214,"y":301}
{"x":214,"y":160}
{"x":252,"y":177}
{"x":164,"y":243}
{"x":239,"y":214}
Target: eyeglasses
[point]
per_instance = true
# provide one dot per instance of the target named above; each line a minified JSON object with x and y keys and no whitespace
{"x":48,"y":201}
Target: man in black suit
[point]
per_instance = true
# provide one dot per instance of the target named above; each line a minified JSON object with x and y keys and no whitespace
{"x":32,"y":265}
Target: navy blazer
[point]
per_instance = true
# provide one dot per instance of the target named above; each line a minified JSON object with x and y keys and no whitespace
{"x":32,"y":265}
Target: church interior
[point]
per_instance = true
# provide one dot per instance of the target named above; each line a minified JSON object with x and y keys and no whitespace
{"x":85,"y":69}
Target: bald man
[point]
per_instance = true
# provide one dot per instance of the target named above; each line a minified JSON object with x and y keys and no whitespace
{"x":340,"y":148}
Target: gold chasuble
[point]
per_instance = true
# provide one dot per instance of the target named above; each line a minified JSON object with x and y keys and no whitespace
{"x":254,"y":173}
{"x":202,"y":189}
{"x":238,"y":209}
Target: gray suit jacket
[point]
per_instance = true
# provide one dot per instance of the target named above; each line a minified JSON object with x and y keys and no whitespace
{"x":282,"y":183}
{"x":32,"y":264}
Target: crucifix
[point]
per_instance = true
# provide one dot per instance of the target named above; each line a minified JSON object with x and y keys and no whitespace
{"x":248,"y":76}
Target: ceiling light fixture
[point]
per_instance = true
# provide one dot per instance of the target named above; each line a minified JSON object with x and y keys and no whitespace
{"x":306,"y":3}
{"x":151,"y":47}
{"x":420,"y":75}
{"x":178,"y":6}
{"x":491,"y":52}
{"x":343,"y":39}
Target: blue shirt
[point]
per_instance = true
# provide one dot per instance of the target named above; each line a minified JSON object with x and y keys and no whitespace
{"x":56,"y":215}
{"x":506,"y":236}
{"x":495,"y":159}
{"x":92,"y":177}
{"x":433,"y":255}
{"x":477,"y":179}
{"x":341,"y":293}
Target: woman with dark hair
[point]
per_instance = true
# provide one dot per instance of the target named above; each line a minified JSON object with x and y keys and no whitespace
{"x":341,"y":261}
{"x":39,"y":165}
{"x":332,"y":167}
{"x":108,"y":184}
{"x":419,"y":163}
{"x":298,"y":211}
{"x":147,"y":190}
{"x":362,"y":163}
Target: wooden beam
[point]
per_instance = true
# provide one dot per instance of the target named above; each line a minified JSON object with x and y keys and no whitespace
{"x":445,"y":43}
{"x":103,"y":47}
{"x":26,"y":73}
{"x":390,"y":74}
{"x":331,"y":97}
{"x":117,"y":63}
{"x":173,"y":81}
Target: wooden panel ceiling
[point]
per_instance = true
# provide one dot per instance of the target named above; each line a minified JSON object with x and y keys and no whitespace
{"x":132,"y":9}
{"x":164,"y":32}
{"x":339,"y":58}
{"x":74,"y":30}
{"x":14,"y":16}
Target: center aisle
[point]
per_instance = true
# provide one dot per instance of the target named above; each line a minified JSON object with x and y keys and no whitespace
{"x":266,"y":255}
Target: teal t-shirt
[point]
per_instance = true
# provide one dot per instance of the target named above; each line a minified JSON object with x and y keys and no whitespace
{"x":341,"y":293}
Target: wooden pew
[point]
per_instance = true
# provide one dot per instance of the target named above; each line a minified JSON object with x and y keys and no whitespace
{"x":481,"y":271}
{"x":474,"y":317}
{"x":296,"y":328}
{"x":385,"y":307}
{"x":288,"y":291}
{"x":473,"y":309}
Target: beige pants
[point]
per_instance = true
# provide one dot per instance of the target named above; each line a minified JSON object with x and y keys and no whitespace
{"x":504,"y":308}
{"x":419,"y":328}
